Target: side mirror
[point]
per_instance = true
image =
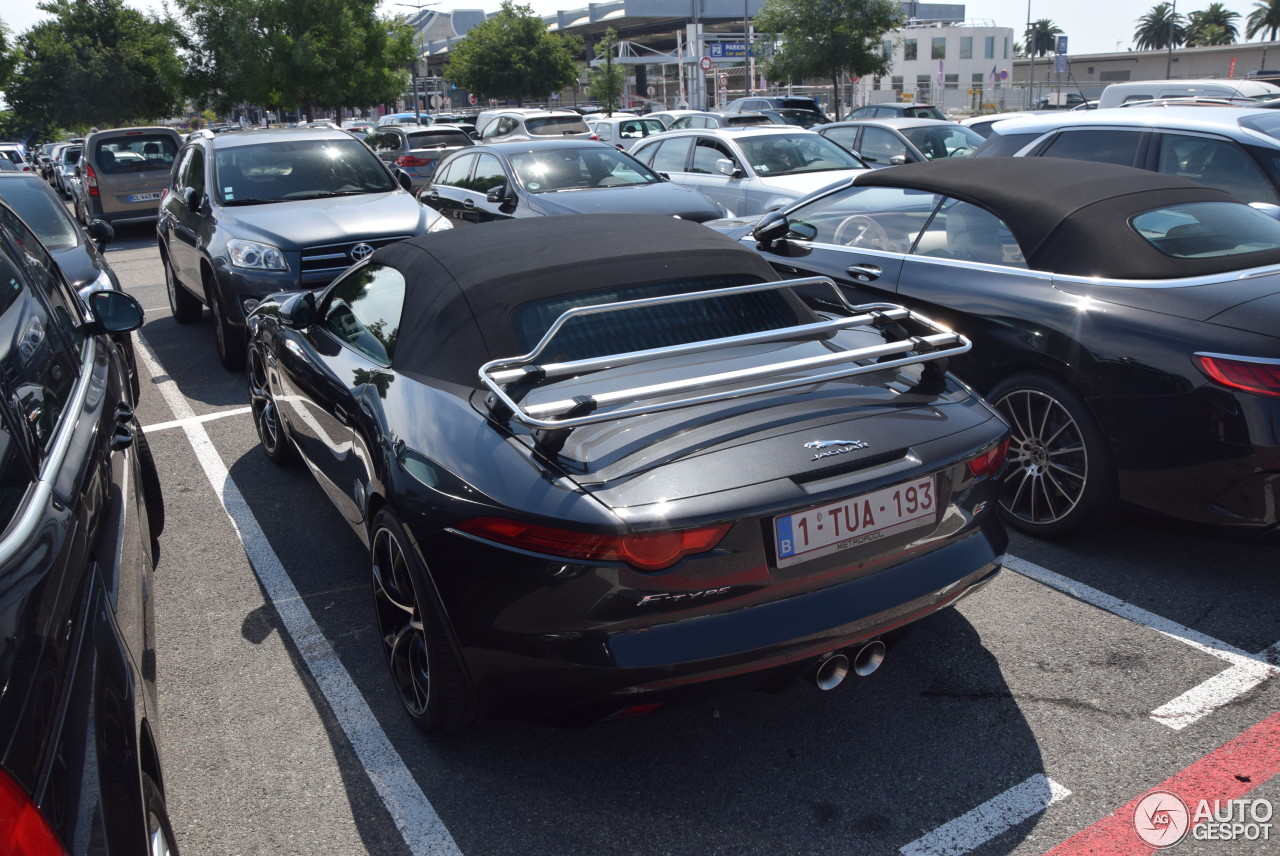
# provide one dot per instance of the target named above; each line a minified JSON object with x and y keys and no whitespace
{"x":101,"y":233}
{"x":299,"y":311}
{"x":497,"y":194}
{"x":898,"y":160}
{"x":724,"y":166}
{"x":405,"y":181}
{"x":192,"y":198}
{"x":114,"y":311}
{"x":771,"y":229}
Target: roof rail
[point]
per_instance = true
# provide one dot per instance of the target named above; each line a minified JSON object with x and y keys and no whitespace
{"x":509,"y":379}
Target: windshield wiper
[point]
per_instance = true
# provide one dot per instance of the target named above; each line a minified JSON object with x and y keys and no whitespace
{"x":329,"y":194}
{"x":230,"y":202}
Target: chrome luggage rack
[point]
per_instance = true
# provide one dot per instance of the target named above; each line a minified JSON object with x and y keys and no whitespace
{"x":509,"y":379}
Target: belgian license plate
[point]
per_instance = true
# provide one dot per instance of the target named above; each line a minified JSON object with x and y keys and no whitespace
{"x":144,"y":197}
{"x":841,"y":525}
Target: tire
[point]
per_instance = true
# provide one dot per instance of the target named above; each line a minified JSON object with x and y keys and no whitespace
{"x":424,"y":665}
{"x":230,"y":339}
{"x":183,"y":304}
{"x":1060,"y":474}
{"x":152,"y":493}
{"x":160,"y":838}
{"x":266,"y":414}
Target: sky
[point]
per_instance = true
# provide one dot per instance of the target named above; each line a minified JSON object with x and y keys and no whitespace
{"x":1092,"y":26}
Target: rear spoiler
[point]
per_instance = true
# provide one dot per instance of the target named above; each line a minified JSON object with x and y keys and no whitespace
{"x":510,"y":379}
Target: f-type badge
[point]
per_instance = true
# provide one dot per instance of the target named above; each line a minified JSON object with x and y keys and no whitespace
{"x":831,"y":448}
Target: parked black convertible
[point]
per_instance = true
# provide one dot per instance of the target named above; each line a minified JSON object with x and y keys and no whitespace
{"x":1126,"y":323}
{"x":620,"y":461}
{"x":80,"y":505}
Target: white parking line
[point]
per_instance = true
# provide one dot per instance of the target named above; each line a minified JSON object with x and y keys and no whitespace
{"x":413,"y":814}
{"x":182,"y":423}
{"x":1246,"y":671}
{"x":994,"y":817}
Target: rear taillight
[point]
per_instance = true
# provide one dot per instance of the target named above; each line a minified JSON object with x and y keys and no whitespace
{"x":1252,"y":374}
{"x":91,"y":179}
{"x":990,"y":461}
{"x":648,"y":551}
{"x":23,"y":829}
{"x":595,"y":137}
{"x":410,"y":160}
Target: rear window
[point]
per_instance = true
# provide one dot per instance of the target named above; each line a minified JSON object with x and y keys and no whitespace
{"x":555,"y":126}
{"x":923,"y":112}
{"x":135,"y":153}
{"x":748,"y":120}
{"x":1199,"y":230}
{"x":652,"y":326}
{"x":1004,"y":145}
{"x":438,"y":138}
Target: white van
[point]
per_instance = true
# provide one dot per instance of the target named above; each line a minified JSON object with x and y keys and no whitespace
{"x":1144,"y":90}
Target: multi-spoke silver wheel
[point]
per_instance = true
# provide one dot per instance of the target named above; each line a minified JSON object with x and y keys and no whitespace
{"x":1059,"y":473}
{"x":400,"y":623}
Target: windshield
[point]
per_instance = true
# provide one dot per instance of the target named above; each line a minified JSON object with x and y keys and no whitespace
{"x":298,"y":169}
{"x":1198,"y":230}
{"x":579,"y":168}
{"x":944,"y":141}
{"x":793,"y":154}
{"x":46,"y":216}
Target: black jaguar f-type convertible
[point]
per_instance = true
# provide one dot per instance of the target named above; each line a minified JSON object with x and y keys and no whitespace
{"x":605,"y":463}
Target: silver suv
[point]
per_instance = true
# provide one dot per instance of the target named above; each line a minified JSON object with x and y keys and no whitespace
{"x":1233,"y":149}
{"x":514,"y":126}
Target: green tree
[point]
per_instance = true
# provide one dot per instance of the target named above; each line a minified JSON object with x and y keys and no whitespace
{"x":1213,"y":25}
{"x":1042,"y":37}
{"x":606,"y":80}
{"x":294,"y":53}
{"x":7,"y":55}
{"x":96,"y":62}
{"x":1265,"y":18}
{"x":1159,"y":29}
{"x":824,"y":39}
{"x":512,"y":55}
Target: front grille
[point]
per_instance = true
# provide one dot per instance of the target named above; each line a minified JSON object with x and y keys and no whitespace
{"x":335,"y":258}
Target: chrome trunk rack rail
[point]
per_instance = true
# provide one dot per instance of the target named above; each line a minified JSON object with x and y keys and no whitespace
{"x":509,"y":379}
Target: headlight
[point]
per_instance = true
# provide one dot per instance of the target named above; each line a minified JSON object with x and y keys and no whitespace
{"x":102,"y":283}
{"x":250,"y":254}
{"x":440,"y":224}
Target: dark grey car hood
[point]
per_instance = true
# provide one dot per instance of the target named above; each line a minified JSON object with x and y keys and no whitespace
{"x":78,"y":265}
{"x":302,"y":223}
{"x":661,"y":198}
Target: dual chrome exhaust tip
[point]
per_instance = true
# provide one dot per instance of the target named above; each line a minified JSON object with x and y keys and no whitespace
{"x":832,"y":669}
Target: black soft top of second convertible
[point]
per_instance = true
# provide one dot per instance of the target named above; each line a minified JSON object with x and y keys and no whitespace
{"x":1072,"y":217}
{"x":462,"y":285}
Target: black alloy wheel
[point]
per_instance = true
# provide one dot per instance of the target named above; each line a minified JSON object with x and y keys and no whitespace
{"x":185,"y":306}
{"x":424,"y":666}
{"x":266,"y":413}
{"x":228,"y":338}
{"x":1059,"y":474}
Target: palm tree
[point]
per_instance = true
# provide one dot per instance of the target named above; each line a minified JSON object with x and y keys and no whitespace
{"x":1161,"y":28}
{"x":1265,"y":17}
{"x":1214,"y":25}
{"x":1042,"y":36}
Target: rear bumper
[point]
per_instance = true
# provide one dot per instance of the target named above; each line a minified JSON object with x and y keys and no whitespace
{"x":590,"y":674}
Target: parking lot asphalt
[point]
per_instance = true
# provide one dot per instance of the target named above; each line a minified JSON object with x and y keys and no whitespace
{"x":1032,"y":718}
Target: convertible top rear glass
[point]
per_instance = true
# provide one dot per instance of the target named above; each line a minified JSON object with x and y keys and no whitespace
{"x":1203,"y":229}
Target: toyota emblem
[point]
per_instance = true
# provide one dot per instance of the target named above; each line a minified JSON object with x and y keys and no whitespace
{"x":360,"y":252}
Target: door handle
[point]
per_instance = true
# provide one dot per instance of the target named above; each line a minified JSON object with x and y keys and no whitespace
{"x":468,"y":204}
{"x":340,"y":415}
{"x":434,"y":196}
{"x":864,"y":272}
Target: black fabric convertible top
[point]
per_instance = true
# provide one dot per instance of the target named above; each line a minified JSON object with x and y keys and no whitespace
{"x":462,"y":285}
{"x":1070,"y":216}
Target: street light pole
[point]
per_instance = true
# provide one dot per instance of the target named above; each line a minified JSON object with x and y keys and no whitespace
{"x":1168,"y":64}
{"x":1031,"y":54}
{"x":417,"y":55}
